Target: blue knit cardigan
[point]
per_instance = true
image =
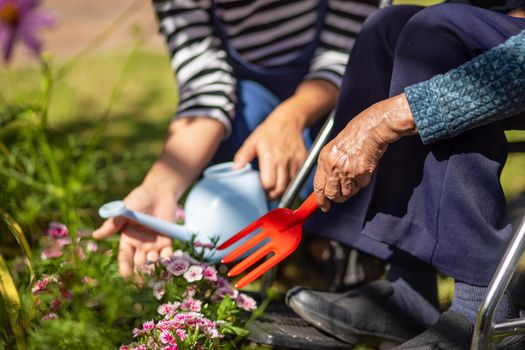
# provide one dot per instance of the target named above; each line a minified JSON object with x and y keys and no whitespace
{"x":487,"y":88}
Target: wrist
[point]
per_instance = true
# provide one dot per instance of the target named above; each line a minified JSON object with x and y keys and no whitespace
{"x":163,"y":177}
{"x":399,"y":117}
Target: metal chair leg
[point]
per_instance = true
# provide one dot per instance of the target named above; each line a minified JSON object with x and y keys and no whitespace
{"x":297,"y":183}
{"x":486,"y":331}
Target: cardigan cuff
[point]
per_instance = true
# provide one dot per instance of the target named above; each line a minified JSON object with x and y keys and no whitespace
{"x":427,"y":115}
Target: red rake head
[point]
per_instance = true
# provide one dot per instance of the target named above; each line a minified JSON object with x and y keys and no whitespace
{"x":281,"y":232}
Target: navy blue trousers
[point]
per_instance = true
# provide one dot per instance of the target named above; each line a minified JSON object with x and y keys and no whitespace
{"x":441,"y":203}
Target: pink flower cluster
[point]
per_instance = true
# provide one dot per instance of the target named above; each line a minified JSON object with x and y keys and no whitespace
{"x":172,"y":328}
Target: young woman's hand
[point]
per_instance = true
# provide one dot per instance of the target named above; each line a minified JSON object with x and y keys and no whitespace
{"x":278,"y":142}
{"x":279,"y":147}
{"x":181,"y":161}
{"x":138,"y":244}
{"x":346,"y":163}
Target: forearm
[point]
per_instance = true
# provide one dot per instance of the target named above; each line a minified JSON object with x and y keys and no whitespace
{"x":189,"y":147}
{"x":313,"y":100}
{"x":488,"y":88}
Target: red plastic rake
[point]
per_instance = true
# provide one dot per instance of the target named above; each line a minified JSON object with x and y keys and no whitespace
{"x":282,"y":228}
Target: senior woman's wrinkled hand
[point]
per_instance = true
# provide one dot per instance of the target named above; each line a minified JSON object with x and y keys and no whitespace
{"x":346,"y":163}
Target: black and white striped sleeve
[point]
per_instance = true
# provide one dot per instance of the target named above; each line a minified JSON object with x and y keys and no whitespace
{"x":204,"y":77}
{"x":343,"y":22}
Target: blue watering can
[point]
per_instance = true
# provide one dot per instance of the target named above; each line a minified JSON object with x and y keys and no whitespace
{"x":221,"y":204}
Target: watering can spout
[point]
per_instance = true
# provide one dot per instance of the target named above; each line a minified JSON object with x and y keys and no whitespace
{"x":118,"y":208}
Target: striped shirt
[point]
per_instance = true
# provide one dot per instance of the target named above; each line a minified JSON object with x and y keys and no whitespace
{"x":267,"y":33}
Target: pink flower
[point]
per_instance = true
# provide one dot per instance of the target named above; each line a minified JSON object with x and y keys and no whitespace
{"x":167,"y":338}
{"x":158,"y":290}
{"x":190,"y":291}
{"x":148,"y":325}
{"x":92,"y":282}
{"x":168,"y":308}
{"x":51,"y":316}
{"x":179,"y":215}
{"x":210,"y":273}
{"x":193,"y":274}
{"x":124,"y":347}
{"x":177,"y":266}
{"x":67,"y":295}
{"x":181,"y":333}
{"x":212,"y":332}
{"x":245,"y":302}
{"x":199,"y":244}
{"x":56,"y":229}
{"x":91,"y":246}
{"x":137,"y":332}
{"x":20,"y":20}
{"x":191,"y":305}
{"x":55,"y":305}
{"x":171,"y":347}
{"x":80,"y":253}
{"x":40,"y":285}
{"x":50,"y":253}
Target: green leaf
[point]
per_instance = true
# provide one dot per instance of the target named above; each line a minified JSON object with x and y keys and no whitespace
{"x":224,"y":306}
{"x":237,"y":331}
{"x":12,"y":303}
{"x":20,"y":237}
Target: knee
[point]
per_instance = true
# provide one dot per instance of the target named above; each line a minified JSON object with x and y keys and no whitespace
{"x":432,"y":22}
{"x":378,"y":23}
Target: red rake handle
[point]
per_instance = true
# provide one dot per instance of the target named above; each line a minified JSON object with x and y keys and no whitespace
{"x":307,"y":208}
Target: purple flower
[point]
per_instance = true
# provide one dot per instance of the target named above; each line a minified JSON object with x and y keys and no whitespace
{"x":193,"y":274}
{"x":158,"y":290}
{"x":245,"y":302}
{"x":20,"y":20}
{"x":177,"y":266}
{"x":56,"y":229}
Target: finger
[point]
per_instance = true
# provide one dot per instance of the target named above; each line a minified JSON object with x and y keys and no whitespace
{"x":268,"y":171}
{"x":332,"y":188}
{"x":109,"y":227}
{"x":125,"y":258}
{"x":139,"y":259}
{"x":347,"y":185}
{"x":282,"y":180}
{"x":319,"y":185}
{"x":166,"y":252}
{"x":152,"y":256}
{"x":245,"y":154}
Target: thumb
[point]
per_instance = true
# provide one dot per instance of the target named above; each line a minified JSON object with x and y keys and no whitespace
{"x":245,"y":154}
{"x":109,"y":227}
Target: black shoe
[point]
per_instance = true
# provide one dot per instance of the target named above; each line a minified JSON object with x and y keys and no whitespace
{"x":358,"y":316}
{"x":454,"y":332}
{"x":451,"y":332}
